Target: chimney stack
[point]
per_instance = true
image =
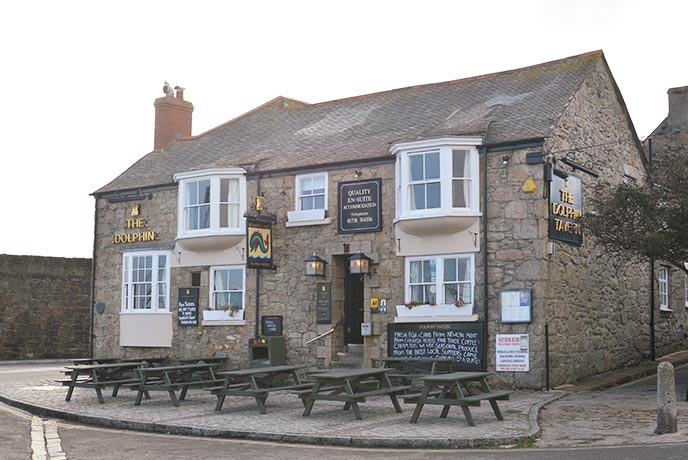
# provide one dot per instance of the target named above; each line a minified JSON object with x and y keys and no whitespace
{"x":172,"y":117}
{"x":678,"y":108}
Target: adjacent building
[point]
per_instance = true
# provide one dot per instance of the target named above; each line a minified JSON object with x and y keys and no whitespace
{"x":461,"y":200}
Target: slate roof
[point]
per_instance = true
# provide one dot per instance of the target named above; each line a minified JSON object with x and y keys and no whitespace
{"x":503,"y":107}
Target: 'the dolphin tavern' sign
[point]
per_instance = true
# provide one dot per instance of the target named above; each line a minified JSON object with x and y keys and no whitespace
{"x":566,"y":209}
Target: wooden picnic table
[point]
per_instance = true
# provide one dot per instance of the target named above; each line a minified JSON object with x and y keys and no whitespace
{"x":175,"y":378}
{"x":351,"y":386}
{"x":99,"y":376}
{"x":407,"y":371}
{"x":258,"y":382}
{"x":453,"y":390}
{"x":86,"y":361}
{"x":211,"y":360}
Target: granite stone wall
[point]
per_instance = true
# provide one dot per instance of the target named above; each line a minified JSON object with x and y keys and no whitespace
{"x":44,"y":307}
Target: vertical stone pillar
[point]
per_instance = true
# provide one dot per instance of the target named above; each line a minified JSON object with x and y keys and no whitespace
{"x":666,"y":400}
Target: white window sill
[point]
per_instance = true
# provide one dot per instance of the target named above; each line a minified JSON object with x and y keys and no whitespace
{"x":145,"y":312}
{"x":669,"y":310}
{"x":238,"y":322}
{"x":306,"y":223}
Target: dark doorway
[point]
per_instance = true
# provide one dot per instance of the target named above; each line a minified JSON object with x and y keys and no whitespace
{"x":353,"y":308}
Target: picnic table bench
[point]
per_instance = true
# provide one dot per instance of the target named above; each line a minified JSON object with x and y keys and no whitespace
{"x":350,"y":386}
{"x":452,"y":390}
{"x":258,"y":383}
{"x":175,"y":378}
{"x":407,"y":371}
{"x":100,"y":376}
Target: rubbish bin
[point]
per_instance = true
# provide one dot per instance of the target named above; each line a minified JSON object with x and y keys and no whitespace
{"x":267,"y":351}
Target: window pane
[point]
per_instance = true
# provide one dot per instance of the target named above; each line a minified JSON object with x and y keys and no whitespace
{"x":418,"y":196}
{"x":233,"y":219}
{"x":319,"y":202}
{"x":429,"y":271}
{"x":414,"y":271}
{"x":430,"y":293}
{"x":221,"y":300}
{"x":464,"y":270}
{"x":449,"y":269}
{"x":191,"y":193}
{"x":465,"y":292}
{"x":416,"y":167}
{"x":307,"y":203}
{"x":224,"y":216}
{"x":204,"y":191}
{"x":224,"y":190}
{"x":204,"y":217}
{"x":318,"y":184}
{"x":306,"y":185}
{"x":235,"y":298}
{"x":220,"y":283}
{"x":450,"y":293}
{"x":459,"y":163}
{"x":433,"y":190}
{"x":235,"y":280}
{"x":432,"y":165}
{"x":417,"y":293}
{"x":460,"y":193}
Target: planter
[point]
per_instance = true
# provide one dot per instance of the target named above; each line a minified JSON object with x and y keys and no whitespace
{"x":434,"y":310}
{"x":222,"y":315}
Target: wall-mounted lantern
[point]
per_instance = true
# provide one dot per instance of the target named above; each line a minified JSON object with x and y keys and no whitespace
{"x":359,"y":264}
{"x":315,"y":266}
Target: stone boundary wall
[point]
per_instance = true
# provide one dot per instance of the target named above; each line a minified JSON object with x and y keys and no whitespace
{"x":44,"y":307}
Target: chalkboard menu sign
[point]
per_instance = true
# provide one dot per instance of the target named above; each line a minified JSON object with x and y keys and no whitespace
{"x":188,"y":306}
{"x":462,"y":342}
{"x":271,"y":325}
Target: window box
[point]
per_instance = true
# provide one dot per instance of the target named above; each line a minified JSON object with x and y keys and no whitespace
{"x":222,"y":315}
{"x":434,"y":310}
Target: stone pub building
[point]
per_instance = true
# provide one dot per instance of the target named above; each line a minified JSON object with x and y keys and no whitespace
{"x":433,"y":220}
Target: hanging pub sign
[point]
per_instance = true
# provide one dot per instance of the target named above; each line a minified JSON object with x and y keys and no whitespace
{"x":359,"y":206}
{"x":259,"y":242}
{"x":566,"y":208}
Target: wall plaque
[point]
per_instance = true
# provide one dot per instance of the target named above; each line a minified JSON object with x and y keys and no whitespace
{"x":359,"y":206}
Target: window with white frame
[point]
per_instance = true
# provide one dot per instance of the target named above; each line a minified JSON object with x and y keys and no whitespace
{"x":211,"y":202}
{"x":145,"y":282}
{"x":311,"y":198}
{"x":437,"y":177}
{"x":227,"y":288}
{"x":663,"y":281}
{"x":446,"y":279}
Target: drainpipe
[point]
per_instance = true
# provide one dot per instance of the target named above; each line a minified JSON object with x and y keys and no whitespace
{"x":484,"y":251}
{"x":652,"y":309}
{"x":93,"y":279}
{"x":257,"y":319}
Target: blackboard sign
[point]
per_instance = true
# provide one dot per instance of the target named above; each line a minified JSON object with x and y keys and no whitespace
{"x":323,"y":302}
{"x":462,"y":342}
{"x":271,"y":325}
{"x":188,"y":307}
{"x":359,"y":206}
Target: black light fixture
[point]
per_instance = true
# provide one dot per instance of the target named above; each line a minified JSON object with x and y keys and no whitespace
{"x":505,"y":160}
{"x":358,"y":173}
{"x":315,"y":266}
{"x":359,"y":264}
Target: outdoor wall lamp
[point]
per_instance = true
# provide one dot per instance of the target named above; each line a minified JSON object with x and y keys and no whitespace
{"x":315,"y":266}
{"x":505,"y":160}
{"x":359,"y":264}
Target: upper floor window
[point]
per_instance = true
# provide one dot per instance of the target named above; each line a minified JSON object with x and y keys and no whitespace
{"x":663,"y":281}
{"x":311,"y":200}
{"x":437,"y":177}
{"x":145,"y":281}
{"x":440,"y":279}
{"x":227,"y":289}
{"x":311,"y":192}
{"x":211,"y":202}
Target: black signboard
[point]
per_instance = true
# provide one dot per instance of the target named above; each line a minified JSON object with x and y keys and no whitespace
{"x":566,"y":208}
{"x":187,"y":307}
{"x":323,"y":302}
{"x":359,"y":206}
{"x":462,"y":342}
{"x":271,"y":325}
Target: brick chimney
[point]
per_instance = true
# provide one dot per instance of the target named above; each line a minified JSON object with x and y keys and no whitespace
{"x":172,"y":118}
{"x":678,"y":108}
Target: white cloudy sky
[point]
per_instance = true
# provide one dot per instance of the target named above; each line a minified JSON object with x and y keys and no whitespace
{"x":78,"y":78}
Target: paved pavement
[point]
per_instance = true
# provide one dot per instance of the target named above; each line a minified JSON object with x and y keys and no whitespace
{"x":581,"y":415}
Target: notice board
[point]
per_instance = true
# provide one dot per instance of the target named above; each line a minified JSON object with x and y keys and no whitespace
{"x":462,"y":342}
